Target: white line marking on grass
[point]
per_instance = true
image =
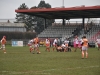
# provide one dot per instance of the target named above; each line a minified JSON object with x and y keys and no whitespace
{"x":4,"y":71}
{"x":27,"y":72}
{"x":84,"y":67}
{"x":74,"y":68}
{"x":44,"y":71}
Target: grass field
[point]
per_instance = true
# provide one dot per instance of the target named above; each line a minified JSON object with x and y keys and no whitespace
{"x":19,"y":61}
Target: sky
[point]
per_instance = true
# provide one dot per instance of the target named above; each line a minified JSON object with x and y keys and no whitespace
{"x":7,"y":7}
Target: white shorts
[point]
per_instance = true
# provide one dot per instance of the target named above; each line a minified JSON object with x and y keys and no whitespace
{"x":3,"y":46}
{"x":36,"y":45}
{"x":84,"y":48}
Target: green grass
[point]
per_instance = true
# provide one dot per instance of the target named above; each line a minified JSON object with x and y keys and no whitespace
{"x":19,"y":61}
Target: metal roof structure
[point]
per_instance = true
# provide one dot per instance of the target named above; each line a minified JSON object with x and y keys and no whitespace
{"x":64,"y":13}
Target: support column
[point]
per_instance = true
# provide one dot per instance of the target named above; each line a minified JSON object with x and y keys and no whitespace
{"x":63,"y":22}
{"x":83,"y":22}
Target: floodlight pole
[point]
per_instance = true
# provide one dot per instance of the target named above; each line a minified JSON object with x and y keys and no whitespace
{"x":63,"y":3}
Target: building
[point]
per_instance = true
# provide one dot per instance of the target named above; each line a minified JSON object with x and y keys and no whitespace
{"x":10,"y":26}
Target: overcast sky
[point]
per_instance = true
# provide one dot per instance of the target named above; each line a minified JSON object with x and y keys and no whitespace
{"x":7,"y":7}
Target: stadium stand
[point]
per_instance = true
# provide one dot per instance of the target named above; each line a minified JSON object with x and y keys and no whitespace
{"x":59,"y":31}
{"x":68,"y":13}
{"x":92,"y":32}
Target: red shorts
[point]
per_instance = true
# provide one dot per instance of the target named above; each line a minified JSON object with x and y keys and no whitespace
{"x":75,"y":45}
{"x":98,"y":45}
{"x":79,"y":45}
{"x":47,"y":45}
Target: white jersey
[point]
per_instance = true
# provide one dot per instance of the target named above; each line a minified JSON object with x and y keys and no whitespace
{"x":81,"y":41}
{"x":55,"y":41}
{"x":76,"y":41}
{"x":30,"y":42}
{"x":47,"y":41}
{"x":98,"y":41}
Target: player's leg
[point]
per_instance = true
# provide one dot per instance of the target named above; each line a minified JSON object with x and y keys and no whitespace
{"x":48,"y":48}
{"x":54,"y":46}
{"x":30,"y":48}
{"x":98,"y":46}
{"x":75,"y":49}
{"x":86,"y":52}
{"x":82,"y":54}
{"x":37,"y":48}
{"x":83,"y":51}
{"x":4,"y":49}
{"x":65,"y":49}
{"x":69,"y":49}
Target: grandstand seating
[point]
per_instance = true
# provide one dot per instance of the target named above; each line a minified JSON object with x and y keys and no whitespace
{"x":94,"y":33}
{"x":69,"y":31}
{"x":58,"y":31}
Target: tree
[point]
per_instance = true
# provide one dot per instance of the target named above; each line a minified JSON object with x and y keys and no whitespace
{"x":40,"y":21}
{"x":33,"y":22}
{"x":23,"y":18}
